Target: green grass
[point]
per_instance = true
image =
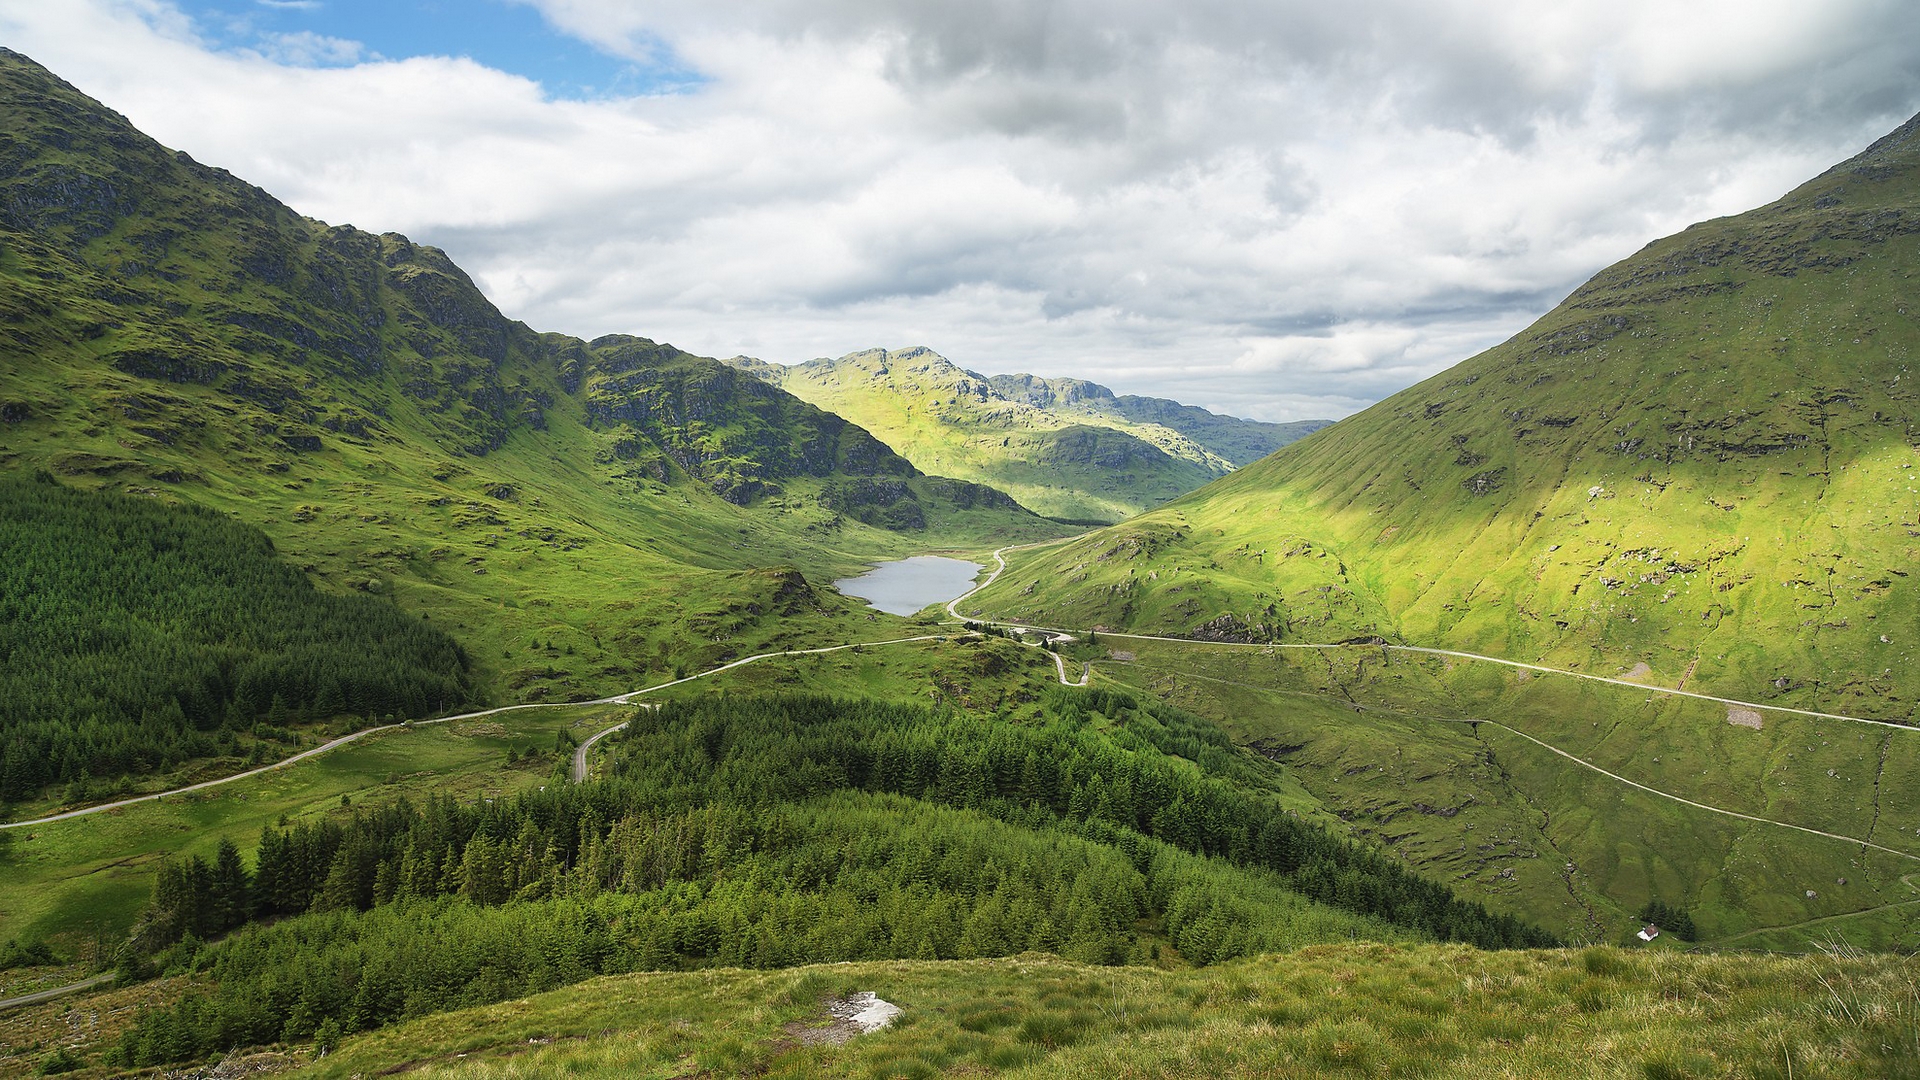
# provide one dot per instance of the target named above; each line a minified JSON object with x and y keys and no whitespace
{"x":1379,"y":740}
{"x":80,"y":882}
{"x":1362,"y":1010}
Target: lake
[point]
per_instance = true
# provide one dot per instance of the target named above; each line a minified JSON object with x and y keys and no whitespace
{"x":907,"y":585}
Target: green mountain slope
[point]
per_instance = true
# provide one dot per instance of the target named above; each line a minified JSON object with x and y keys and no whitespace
{"x":1063,"y":447}
{"x":578,"y":514}
{"x":1708,"y":447}
{"x":1698,"y":470}
{"x":772,"y":831}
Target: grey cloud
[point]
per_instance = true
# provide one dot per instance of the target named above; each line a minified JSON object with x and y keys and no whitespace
{"x":1284,"y":208}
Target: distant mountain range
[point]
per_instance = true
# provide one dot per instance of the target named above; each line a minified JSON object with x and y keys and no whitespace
{"x":1067,"y":448}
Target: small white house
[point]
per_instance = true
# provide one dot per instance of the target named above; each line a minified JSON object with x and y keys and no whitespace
{"x":1648,"y":932}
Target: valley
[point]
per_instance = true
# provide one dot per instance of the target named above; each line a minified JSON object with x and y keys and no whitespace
{"x":1350,"y":755}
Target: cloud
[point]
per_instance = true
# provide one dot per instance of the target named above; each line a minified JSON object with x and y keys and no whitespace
{"x":308,"y":49}
{"x":1280,"y":208}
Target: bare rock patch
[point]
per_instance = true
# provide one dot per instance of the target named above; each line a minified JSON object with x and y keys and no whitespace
{"x":855,"y":1014}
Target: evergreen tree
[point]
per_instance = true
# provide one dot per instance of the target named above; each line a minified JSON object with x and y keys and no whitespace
{"x":230,"y":897}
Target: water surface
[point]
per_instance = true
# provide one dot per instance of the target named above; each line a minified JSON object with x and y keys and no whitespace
{"x":907,"y":585}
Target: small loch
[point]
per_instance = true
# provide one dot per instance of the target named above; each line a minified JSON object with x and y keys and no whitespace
{"x":904,"y":586}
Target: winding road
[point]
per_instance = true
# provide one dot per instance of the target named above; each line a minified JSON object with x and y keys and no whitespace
{"x":581,"y":754}
{"x":999,"y":557}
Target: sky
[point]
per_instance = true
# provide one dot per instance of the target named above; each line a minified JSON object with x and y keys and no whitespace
{"x":1282,"y":209}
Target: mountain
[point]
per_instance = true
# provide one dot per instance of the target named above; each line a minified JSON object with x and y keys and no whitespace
{"x":1240,"y":442}
{"x":576,"y":513}
{"x":1709,"y":444}
{"x":1063,"y":447}
{"x":1697,"y":471}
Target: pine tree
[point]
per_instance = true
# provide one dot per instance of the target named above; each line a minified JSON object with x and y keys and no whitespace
{"x":231,"y":899}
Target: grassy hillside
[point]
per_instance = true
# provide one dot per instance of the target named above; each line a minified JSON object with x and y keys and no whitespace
{"x":1065,"y":448}
{"x":1326,"y":1011}
{"x":1345,"y":1010}
{"x":578,"y":515}
{"x":1697,"y":471}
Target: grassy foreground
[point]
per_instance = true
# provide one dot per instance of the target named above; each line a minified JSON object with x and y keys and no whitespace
{"x":1338,"y":1010}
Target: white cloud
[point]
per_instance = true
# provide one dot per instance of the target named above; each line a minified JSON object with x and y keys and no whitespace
{"x":308,"y":49}
{"x":1278,"y":208}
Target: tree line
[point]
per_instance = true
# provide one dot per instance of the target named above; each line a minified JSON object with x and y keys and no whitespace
{"x":136,"y":635}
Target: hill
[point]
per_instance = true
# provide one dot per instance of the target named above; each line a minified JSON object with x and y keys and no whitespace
{"x":577,"y":514}
{"x":1240,"y":442}
{"x":1346,"y":1010}
{"x":1697,"y":471}
{"x":1064,"y":447}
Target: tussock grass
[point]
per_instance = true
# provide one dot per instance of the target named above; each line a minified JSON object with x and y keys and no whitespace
{"x":1323,"y":1011}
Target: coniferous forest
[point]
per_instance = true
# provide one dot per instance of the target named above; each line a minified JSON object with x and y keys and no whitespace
{"x":769,"y":831}
{"x":136,"y":634}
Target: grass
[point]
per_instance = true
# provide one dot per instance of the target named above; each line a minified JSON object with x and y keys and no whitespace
{"x":80,"y":882}
{"x":1381,"y":741}
{"x":1338,"y":1010}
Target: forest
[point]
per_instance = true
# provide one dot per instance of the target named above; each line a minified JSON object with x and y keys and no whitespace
{"x":137,"y":634}
{"x":769,"y":831}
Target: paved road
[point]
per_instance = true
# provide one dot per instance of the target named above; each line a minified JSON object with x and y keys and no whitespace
{"x":58,"y":991}
{"x":1086,"y":670}
{"x":1054,"y":636}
